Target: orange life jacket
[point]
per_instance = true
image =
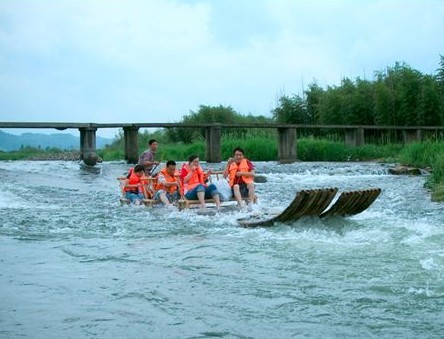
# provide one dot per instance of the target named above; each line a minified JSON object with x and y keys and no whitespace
{"x":134,"y":179}
{"x":168,"y":178}
{"x":242,"y":167}
{"x":196,"y":179}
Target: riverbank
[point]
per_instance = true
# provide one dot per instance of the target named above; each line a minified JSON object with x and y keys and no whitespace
{"x":62,"y":156}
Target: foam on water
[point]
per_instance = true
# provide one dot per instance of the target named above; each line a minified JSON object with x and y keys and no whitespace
{"x":70,"y":248}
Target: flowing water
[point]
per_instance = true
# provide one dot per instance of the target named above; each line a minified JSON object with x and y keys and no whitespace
{"x":76,"y":264}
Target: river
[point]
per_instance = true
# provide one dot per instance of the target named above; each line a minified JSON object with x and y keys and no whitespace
{"x":76,"y":264}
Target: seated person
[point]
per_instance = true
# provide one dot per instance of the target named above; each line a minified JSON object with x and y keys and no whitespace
{"x":134,"y":185}
{"x":167,"y":187}
{"x":193,"y":179}
{"x":240,"y":172}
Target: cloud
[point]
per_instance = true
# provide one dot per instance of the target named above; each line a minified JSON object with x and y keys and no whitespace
{"x":154,"y":61}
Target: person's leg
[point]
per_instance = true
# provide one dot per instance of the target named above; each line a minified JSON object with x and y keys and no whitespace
{"x":128,"y":196}
{"x":173,"y":197}
{"x":197,"y":193}
{"x":161,"y":196}
{"x":139,"y":198}
{"x":251,"y":193}
{"x":131,"y":196}
{"x":237,"y":195}
{"x":200,"y":189}
{"x":213,"y":193}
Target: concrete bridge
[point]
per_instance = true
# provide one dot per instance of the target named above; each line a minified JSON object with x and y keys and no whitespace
{"x":287,"y":135}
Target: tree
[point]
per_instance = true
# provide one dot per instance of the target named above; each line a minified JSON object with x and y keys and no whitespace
{"x":313,"y":98}
{"x":210,"y":114}
{"x":291,"y":110}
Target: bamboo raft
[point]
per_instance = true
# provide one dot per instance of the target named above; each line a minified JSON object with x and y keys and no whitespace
{"x":315,"y":203}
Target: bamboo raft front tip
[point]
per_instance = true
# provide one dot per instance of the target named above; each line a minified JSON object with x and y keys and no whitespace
{"x":315,"y":202}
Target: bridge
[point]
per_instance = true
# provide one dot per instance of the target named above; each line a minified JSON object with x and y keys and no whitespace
{"x":286,"y":135}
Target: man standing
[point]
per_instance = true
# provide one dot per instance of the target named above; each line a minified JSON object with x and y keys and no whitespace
{"x":146,"y":159}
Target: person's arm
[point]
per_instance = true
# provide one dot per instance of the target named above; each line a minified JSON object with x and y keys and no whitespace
{"x":245,"y":174}
{"x":128,"y":185}
{"x":186,"y":175}
{"x":250,"y":172}
{"x":226,"y":170}
{"x":167,"y":183}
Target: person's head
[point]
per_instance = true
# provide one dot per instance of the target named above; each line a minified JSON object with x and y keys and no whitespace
{"x":153,"y":144}
{"x":238,"y":154}
{"x":139,"y":170}
{"x":193,"y":160}
{"x":171,"y":167}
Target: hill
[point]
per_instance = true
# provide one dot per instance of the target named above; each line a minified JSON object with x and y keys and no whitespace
{"x":63,"y":141}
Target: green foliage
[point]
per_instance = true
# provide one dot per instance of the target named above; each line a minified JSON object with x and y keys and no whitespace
{"x":211,"y":115}
{"x":326,"y":150}
{"x":427,"y":154}
{"x":255,"y":147}
{"x":291,"y":110}
{"x":398,"y":96}
{"x":110,"y":154}
{"x":421,"y":154}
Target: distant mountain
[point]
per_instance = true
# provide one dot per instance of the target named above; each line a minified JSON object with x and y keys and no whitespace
{"x":64,"y":141}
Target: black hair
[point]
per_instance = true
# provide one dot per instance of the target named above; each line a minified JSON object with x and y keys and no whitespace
{"x":152,"y":141}
{"x":139,"y":168}
{"x":192,"y":157}
{"x":170,"y":163}
{"x":239,"y":149}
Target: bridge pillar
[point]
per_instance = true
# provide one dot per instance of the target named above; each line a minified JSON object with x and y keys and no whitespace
{"x":130,"y":135}
{"x":354,"y":137}
{"x":287,"y":141}
{"x":213,"y":151}
{"x":88,"y":145}
{"x":411,"y":135}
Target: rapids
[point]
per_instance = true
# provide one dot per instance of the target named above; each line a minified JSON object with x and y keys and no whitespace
{"x":75,"y":263}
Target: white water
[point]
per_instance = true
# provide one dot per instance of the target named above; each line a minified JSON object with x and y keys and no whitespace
{"x":74,"y":263}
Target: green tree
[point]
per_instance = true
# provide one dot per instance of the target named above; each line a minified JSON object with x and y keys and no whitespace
{"x":211,"y":114}
{"x":291,"y":110}
{"x":313,"y":98}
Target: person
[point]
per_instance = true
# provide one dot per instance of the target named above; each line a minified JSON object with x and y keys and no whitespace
{"x":167,"y":187}
{"x":240,"y":172}
{"x":134,"y":185}
{"x":193,"y":178}
{"x":146,"y":159}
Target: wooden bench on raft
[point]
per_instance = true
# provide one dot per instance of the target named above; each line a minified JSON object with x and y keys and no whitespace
{"x":315,"y":203}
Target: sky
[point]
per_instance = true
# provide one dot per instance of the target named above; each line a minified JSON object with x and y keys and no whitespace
{"x":132,"y":61}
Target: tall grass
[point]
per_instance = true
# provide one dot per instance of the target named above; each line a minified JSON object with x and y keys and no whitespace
{"x":310,"y":149}
{"x":427,"y":154}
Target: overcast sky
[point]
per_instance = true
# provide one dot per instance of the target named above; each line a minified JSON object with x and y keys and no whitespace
{"x":157,"y":60}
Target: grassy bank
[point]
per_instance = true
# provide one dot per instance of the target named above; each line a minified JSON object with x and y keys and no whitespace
{"x":427,"y":154}
{"x":31,"y":153}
